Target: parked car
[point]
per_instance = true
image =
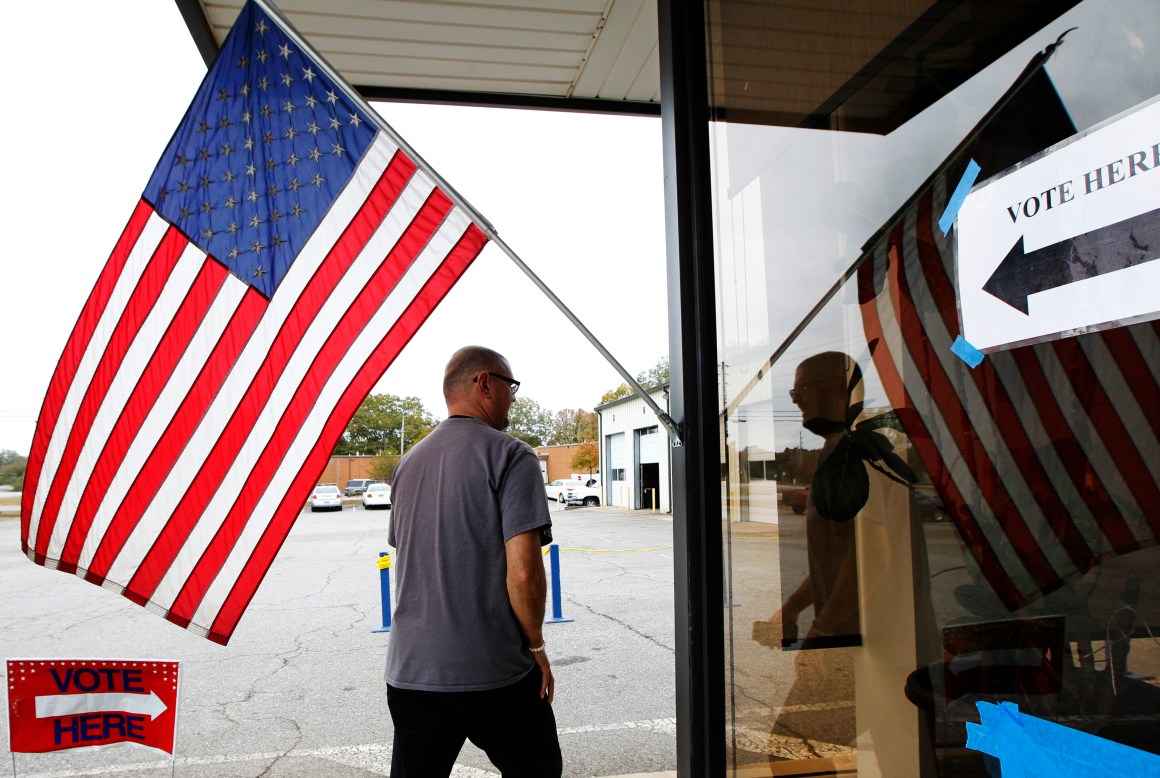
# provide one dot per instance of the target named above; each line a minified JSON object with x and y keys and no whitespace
{"x":795,"y":499}
{"x":357,"y":486}
{"x":326,"y":497}
{"x":553,"y":489}
{"x":586,"y":493}
{"x":377,"y":495}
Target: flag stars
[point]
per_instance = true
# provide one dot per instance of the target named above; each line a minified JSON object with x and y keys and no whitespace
{"x":275,"y":216}
{"x":251,"y":169}
{"x":186,"y":214}
{"x":297,"y":210}
{"x":335,"y":123}
{"x":318,"y":180}
{"x":263,"y":83}
{"x":292,"y":158}
{"x":293,"y":185}
{"x":203,"y":155}
{"x":207,"y":233}
{"x":315,"y":154}
{"x":233,"y":230}
{"x":248,"y":144}
{"x":337,"y":149}
{"x":206,"y":182}
{"x":182,"y":160}
{"x":253,"y":196}
{"x":231,"y":202}
{"x":266,"y":112}
{"x":245,"y":117}
{"x":308,"y":74}
{"x":225,"y":150}
{"x":245,"y":90}
{"x":311,"y":101}
{"x":272,"y":190}
{"x":207,"y":207}
{"x":229,"y":176}
{"x":223,"y":94}
{"x":202,"y":126}
{"x":234,"y":252}
{"x":331,"y":97}
{"x":261,"y":27}
{"x":355,"y":120}
{"x":267,"y":137}
{"x":287,"y":79}
{"x":255,"y":221}
{"x":243,"y":62}
{"x":262,"y":56}
{"x":288,"y":106}
{"x":256,"y":247}
{"x":259,"y":271}
{"x":312,"y":128}
{"x":277,"y":241}
{"x":284,"y":51}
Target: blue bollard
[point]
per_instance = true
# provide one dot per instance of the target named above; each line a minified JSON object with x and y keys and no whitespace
{"x":385,"y":584}
{"x":557,"y":616}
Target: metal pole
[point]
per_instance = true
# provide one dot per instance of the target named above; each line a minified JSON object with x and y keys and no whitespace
{"x":476,"y":216}
{"x":557,"y":606}
{"x":384,"y":563}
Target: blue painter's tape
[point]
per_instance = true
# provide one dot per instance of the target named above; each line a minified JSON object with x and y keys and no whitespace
{"x":1030,"y":746}
{"x":966,"y":352}
{"x":961,"y":192}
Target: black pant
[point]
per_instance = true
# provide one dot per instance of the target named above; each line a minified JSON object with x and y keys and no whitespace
{"x":513,"y":725}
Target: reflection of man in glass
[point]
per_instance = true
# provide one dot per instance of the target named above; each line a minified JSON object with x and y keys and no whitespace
{"x":825,"y":387}
{"x":857,"y":516}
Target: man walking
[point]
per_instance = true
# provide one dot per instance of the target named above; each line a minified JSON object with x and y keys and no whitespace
{"x":467,"y":658}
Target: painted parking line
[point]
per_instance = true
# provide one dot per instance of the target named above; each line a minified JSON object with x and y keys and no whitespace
{"x":371,"y":757}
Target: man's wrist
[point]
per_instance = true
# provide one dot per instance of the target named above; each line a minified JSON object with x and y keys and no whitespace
{"x":539,"y":649}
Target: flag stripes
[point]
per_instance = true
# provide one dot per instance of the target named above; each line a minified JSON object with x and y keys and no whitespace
{"x":199,"y":415}
{"x":1045,"y":455}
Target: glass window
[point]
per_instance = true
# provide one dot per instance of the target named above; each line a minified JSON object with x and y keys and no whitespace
{"x":945,"y":533}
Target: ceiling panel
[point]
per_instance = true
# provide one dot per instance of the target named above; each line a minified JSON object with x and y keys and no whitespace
{"x":859,"y":65}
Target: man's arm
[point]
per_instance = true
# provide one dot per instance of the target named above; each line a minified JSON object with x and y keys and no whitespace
{"x":527,"y":589}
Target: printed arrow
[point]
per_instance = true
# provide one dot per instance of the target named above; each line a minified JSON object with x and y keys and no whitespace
{"x":1114,"y":247}
{"x":51,"y":705}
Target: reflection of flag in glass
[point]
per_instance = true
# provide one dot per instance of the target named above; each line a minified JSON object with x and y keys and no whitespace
{"x":283,"y":253}
{"x":1047,"y":457}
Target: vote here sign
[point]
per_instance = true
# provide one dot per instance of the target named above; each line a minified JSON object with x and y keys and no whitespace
{"x":62,"y":704}
{"x":1065,"y":242}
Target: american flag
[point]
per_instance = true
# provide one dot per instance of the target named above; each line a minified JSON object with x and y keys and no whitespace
{"x":1047,"y":456}
{"x":283,"y":253}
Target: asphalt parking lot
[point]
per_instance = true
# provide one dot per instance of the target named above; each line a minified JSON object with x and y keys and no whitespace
{"x":299,"y":690}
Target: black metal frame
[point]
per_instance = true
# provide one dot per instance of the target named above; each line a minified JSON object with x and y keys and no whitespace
{"x":698,"y":562}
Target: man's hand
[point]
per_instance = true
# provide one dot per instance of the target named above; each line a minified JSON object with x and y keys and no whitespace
{"x":527,"y":589}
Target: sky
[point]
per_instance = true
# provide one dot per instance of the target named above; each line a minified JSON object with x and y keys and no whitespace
{"x":578,"y":197}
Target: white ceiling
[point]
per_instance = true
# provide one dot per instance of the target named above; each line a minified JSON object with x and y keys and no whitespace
{"x":574,"y":50}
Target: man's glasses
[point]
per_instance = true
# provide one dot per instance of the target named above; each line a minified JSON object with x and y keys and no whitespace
{"x":512,"y":383}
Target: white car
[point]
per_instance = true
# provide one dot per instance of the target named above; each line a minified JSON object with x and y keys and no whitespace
{"x":326,"y":497}
{"x":377,"y":495}
{"x":553,"y":489}
{"x":586,"y":493}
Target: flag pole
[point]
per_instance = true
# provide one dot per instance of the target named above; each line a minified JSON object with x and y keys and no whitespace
{"x":476,"y":217}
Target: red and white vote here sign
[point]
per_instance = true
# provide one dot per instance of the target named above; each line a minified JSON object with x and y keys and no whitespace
{"x":62,"y":704}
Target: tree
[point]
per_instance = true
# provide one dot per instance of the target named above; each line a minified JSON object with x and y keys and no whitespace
{"x":574,"y":426}
{"x":379,"y":422}
{"x":529,"y":422}
{"x":587,"y":457}
{"x":12,"y":466}
{"x":655,"y":376}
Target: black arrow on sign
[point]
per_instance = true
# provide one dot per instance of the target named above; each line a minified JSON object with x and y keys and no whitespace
{"x":1115,"y":247}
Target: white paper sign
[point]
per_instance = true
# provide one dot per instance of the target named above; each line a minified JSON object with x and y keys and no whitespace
{"x":1065,"y":242}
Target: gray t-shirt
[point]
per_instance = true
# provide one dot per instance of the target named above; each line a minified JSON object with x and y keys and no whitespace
{"x":457,"y":497}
